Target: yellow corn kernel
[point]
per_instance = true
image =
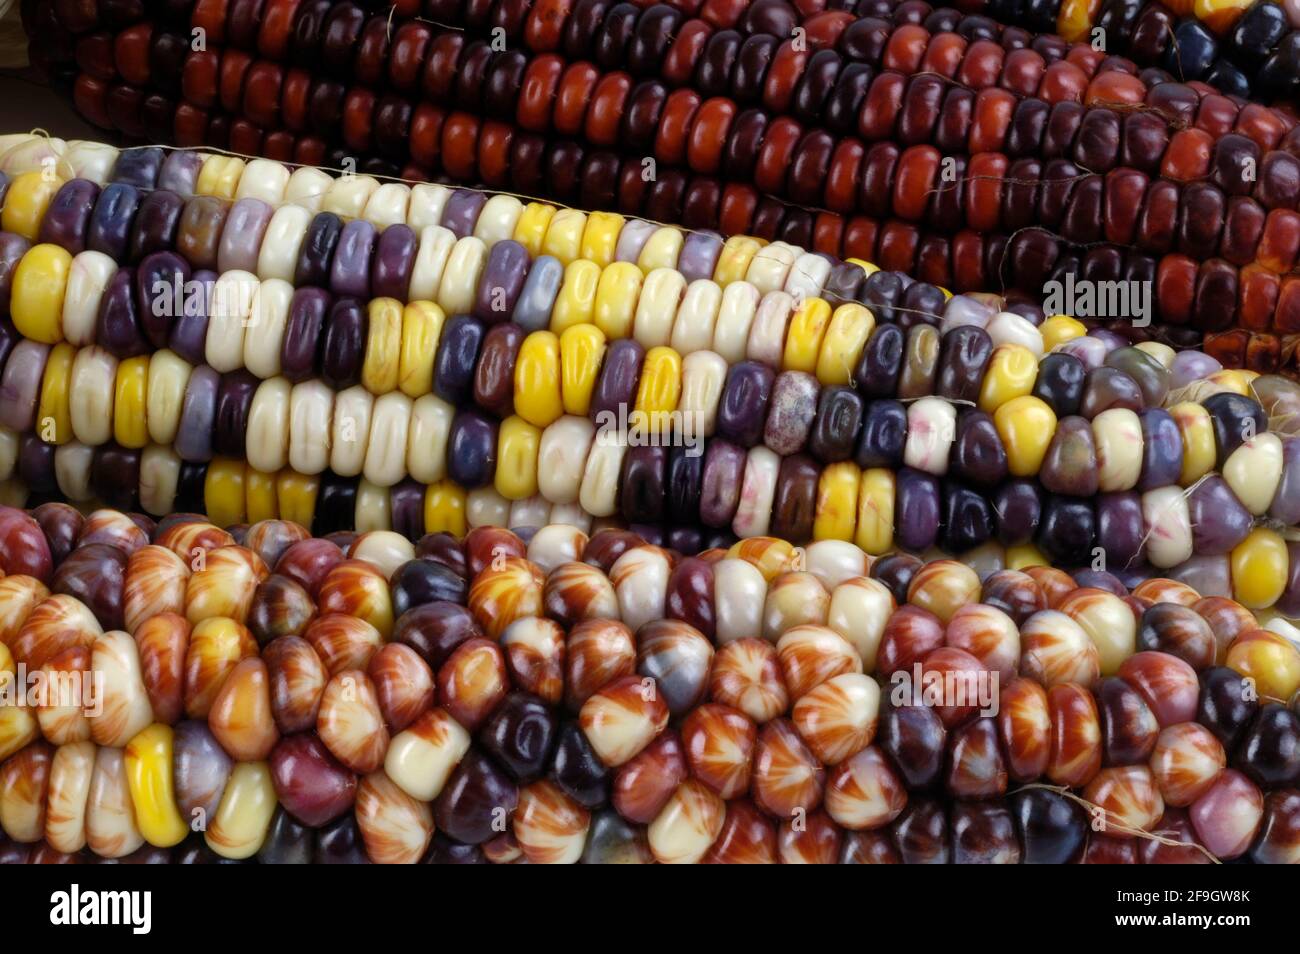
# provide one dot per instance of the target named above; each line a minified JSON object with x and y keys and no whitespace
{"x":421,"y":330}
{"x":1075,"y":18}
{"x":537,"y":379}
{"x":1221,"y":15}
{"x":575,"y":303}
{"x":1011,"y":373}
{"x":769,"y":555}
{"x":232,"y":177}
{"x":616,"y":298}
{"x":53,"y":413}
{"x":1059,"y":329}
{"x":868,"y":268}
{"x":660,"y":388}
{"x":244,"y":815}
{"x":600,"y":238}
{"x":382,"y":363}
{"x":837,"y":502}
{"x":1025,"y":554}
{"x":295,"y":496}
{"x":661,"y":249}
{"x":1231,"y":380}
{"x":1270,"y":660}
{"x":850,"y":328}
{"x":582,"y":349}
{"x":1199,"y":447}
{"x":220,"y":176}
{"x":130,"y":398}
{"x":18,"y":725}
{"x":564,"y":235}
{"x":209,"y":172}
{"x":149,"y":776}
{"x":1259,"y":569}
{"x":517,"y":444}
{"x":1026,"y":426}
{"x":733,"y":261}
{"x":803,"y":339}
{"x":223,"y":491}
{"x":36,"y":296}
{"x":260,"y":496}
{"x":530,"y":230}
{"x":444,"y":508}
{"x":26,"y":201}
{"x":875,"y":523}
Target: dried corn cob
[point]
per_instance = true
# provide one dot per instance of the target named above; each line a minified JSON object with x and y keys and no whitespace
{"x":1165,"y":734}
